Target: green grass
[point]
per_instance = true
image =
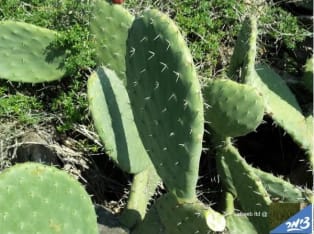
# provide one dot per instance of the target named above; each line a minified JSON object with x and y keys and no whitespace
{"x":70,"y":18}
{"x":26,"y":109}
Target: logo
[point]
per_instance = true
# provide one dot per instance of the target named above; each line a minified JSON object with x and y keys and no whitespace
{"x":301,"y":223}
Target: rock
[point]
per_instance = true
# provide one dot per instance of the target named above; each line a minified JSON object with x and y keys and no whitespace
{"x":35,"y":148}
{"x":107,"y":222}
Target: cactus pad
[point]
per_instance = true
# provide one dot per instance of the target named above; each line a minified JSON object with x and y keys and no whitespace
{"x":109,"y":27}
{"x":40,"y":199}
{"x":285,"y":191}
{"x":183,"y":218}
{"x":25,"y":53}
{"x":166,"y":100}
{"x":113,"y":118}
{"x":244,"y":52}
{"x":233,"y":109}
{"x":237,"y":223}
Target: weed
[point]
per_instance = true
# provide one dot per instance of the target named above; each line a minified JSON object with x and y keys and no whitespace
{"x":24,"y":108}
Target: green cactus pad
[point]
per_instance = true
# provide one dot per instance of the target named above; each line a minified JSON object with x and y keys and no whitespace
{"x":282,"y":106}
{"x":166,"y":100}
{"x":236,"y":222}
{"x":40,"y":199}
{"x":151,"y":223}
{"x":109,"y":27}
{"x":113,"y":118}
{"x":185,"y":218}
{"x":25,"y":53}
{"x":239,"y":223}
{"x":233,"y":109}
{"x":280,"y":189}
{"x":250,"y":191}
{"x":142,"y":190}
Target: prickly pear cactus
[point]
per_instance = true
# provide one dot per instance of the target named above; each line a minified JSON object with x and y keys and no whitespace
{"x":40,"y":199}
{"x":166,"y":100}
{"x":233,"y":109}
{"x":113,"y":118}
{"x":280,"y":103}
{"x":26,"y":56}
{"x":109,"y":28}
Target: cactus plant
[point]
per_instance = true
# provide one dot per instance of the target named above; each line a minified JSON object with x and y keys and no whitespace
{"x":167,"y":106}
{"x":113,"y":119}
{"x":251,"y":187}
{"x":26,"y":55}
{"x":41,"y":199}
{"x":280,"y":103}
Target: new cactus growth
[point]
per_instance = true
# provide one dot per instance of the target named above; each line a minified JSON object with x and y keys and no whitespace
{"x":40,"y":199}
{"x":26,"y":55}
{"x":245,"y":49}
{"x":233,"y":109}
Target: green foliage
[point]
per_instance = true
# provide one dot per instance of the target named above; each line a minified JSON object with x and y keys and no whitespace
{"x":70,"y":18}
{"x":282,"y":26}
{"x":26,"y":109}
{"x":164,"y":95}
{"x":78,"y":51}
{"x":216,"y":22}
{"x":71,"y":105}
